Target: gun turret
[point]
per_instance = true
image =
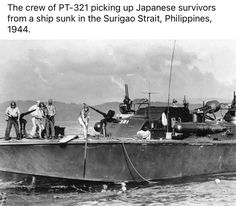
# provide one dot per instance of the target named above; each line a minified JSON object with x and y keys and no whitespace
{"x":209,"y":108}
{"x":125,"y":107}
{"x":108,"y":117}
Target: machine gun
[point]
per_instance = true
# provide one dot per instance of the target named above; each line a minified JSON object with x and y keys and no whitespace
{"x":126,"y":106}
{"x":108,"y":117}
{"x":211,"y":107}
{"x":199,"y":126}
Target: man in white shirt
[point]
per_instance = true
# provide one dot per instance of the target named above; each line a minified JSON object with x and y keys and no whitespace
{"x":13,"y":114}
{"x":37,"y":117}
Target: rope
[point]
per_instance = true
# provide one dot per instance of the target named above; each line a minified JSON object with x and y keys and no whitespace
{"x":85,"y":156}
{"x":127,"y":156}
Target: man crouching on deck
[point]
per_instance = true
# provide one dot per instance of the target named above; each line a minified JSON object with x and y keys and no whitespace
{"x":84,"y":119}
{"x":13,"y":114}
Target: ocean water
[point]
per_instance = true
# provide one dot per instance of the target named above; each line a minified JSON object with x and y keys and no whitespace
{"x":194,"y":191}
{"x":191,"y":192}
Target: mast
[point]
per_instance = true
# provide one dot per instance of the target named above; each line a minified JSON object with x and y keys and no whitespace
{"x":171,"y":66}
{"x":149,"y":104}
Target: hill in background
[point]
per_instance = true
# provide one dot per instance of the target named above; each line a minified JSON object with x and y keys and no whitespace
{"x":65,"y":111}
{"x":70,"y":111}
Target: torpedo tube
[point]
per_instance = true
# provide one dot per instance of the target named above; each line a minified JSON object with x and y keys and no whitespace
{"x":198,"y":128}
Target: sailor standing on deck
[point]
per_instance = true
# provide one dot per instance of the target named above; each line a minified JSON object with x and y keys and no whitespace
{"x":37,"y":117}
{"x":49,"y":120}
{"x":84,"y":119}
{"x":34,"y":107}
{"x":13,"y":114}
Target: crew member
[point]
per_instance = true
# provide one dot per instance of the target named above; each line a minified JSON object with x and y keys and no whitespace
{"x":50,"y":120}
{"x":37,"y":119}
{"x":13,"y":114}
{"x":127,"y":101}
{"x":174,"y":102}
{"x":84,"y":119}
{"x":34,"y":107}
{"x":144,"y":133}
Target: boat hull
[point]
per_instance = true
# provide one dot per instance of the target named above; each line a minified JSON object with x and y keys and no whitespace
{"x":118,"y":161}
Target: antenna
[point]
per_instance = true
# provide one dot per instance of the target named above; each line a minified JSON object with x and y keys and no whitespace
{"x":185,"y":102}
{"x":171,"y":66}
{"x":149,"y":102}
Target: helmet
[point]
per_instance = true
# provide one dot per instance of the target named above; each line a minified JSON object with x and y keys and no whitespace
{"x":13,"y":104}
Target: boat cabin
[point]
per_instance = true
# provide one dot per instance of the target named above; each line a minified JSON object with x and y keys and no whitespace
{"x":156,"y":122}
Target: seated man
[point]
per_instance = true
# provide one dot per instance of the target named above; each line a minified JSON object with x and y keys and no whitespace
{"x":127,"y":101}
{"x":144,"y":133}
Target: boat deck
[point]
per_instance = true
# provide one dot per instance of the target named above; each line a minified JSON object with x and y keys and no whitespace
{"x":102,"y":140}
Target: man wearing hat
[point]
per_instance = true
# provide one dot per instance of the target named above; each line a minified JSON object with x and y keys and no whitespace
{"x":13,"y":114}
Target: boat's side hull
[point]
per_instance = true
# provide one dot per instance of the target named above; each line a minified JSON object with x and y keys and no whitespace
{"x":113,"y":161}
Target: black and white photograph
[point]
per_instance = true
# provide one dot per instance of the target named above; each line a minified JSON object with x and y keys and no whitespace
{"x":117,"y":122}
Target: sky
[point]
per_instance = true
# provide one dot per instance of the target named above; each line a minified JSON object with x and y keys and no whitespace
{"x":95,"y":71}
